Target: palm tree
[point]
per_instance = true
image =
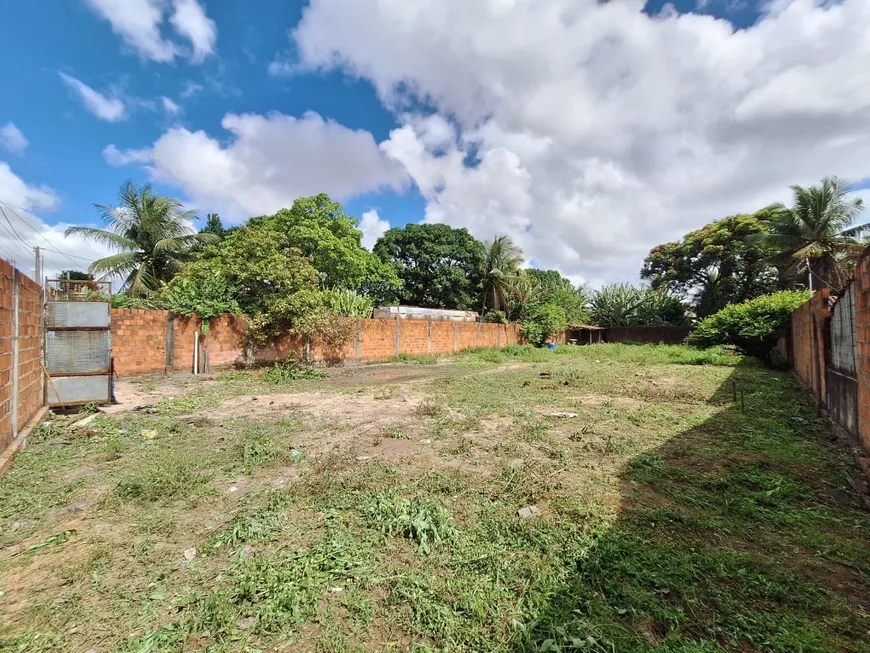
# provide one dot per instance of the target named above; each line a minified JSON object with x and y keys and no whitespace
{"x":151,"y":233}
{"x":816,"y":235}
{"x":500,"y":264}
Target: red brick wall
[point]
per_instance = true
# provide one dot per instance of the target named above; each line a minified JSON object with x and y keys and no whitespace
{"x":862,"y":328}
{"x":139,"y":341}
{"x":809,"y":328}
{"x":29,"y":350}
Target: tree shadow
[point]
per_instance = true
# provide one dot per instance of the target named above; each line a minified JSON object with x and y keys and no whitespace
{"x":742,"y":533}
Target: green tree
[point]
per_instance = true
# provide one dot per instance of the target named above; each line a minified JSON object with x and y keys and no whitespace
{"x":319,"y":229}
{"x":718,"y":264}
{"x":817,"y":234}
{"x":438,"y":265}
{"x":501,"y":262}
{"x":557,"y":290}
{"x":753,"y":326}
{"x":151,"y":233}
{"x":213,"y":225}
{"x":257,"y":270}
{"x":543,"y":323}
{"x":526,"y":294}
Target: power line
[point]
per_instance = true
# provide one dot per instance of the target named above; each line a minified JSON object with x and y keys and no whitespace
{"x":69,"y":257}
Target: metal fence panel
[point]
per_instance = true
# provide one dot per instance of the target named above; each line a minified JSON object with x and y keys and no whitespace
{"x":843,"y":343}
{"x":78,"y":390}
{"x":77,"y":314}
{"x":71,"y":352}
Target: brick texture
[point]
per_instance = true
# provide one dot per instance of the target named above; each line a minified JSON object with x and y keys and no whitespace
{"x":29,"y":351}
{"x":139,"y":341}
{"x":809,"y":332}
{"x":862,"y":337}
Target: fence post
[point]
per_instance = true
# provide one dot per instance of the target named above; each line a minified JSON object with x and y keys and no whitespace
{"x":357,"y":341}
{"x":397,"y":336}
{"x":16,"y":291}
{"x":455,"y":329}
{"x":429,"y":337}
{"x":478,"y":335}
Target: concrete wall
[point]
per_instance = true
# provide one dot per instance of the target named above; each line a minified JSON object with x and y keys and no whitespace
{"x":156,"y":341}
{"x":27,"y":378}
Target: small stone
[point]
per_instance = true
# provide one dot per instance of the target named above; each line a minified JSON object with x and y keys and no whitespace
{"x":246,"y":552}
{"x":246,"y":623}
{"x":84,"y":422}
{"x":404,"y":397}
{"x":233,"y":490}
{"x":426,"y":441}
{"x":79,"y":506}
{"x":516,"y":463}
{"x":529,"y":512}
{"x":364,"y":458}
{"x":336,"y":590}
{"x":189,"y":554}
{"x":563,"y":415}
{"x":16,"y":525}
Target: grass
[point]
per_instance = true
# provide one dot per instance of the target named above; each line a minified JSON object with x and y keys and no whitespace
{"x":415,"y":359}
{"x":673,"y":519}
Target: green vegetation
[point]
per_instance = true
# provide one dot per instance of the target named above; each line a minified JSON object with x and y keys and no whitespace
{"x":439,"y":266}
{"x":672,"y":518}
{"x":543,"y":323}
{"x":754,"y":326}
{"x":291,"y":369}
{"x":151,"y":235}
{"x":416,"y":359}
{"x":621,"y":304}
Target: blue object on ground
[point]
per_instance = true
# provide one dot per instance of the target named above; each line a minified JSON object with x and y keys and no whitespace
{"x":551,"y":345}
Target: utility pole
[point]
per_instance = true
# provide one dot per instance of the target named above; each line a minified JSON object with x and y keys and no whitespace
{"x":36,"y":275}
{"x":810,"y":274}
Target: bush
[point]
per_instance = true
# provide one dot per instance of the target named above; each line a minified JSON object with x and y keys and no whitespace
{"x":350,"y":303}
{"x":753,"y":326}
{"x":291,"y":370}
{"x":621,"y":304}
{"x":545,"y":322}
{"x":495,"y":317}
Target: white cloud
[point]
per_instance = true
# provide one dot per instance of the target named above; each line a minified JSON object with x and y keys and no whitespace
{"x":169,"y":106}
{"x":139,"y":22}
{"x":189,"y":19}
{"x":12,"y":139}
{"x":116,"y":157}
{"x":269,"y":161}
{"x":373,"y":227}
{"x":598,"y":131}
{"x":24,"y":230}
{"x":190,"y":89}
{"x":107,"y":108}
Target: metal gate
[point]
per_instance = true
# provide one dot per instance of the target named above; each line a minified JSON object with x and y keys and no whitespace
{"x":78,"y":346}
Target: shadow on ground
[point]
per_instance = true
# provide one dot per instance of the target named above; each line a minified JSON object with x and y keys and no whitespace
{"x":743,"y":533}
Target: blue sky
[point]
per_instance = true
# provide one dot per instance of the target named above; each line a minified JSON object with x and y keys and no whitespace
{"x":588,"y":139}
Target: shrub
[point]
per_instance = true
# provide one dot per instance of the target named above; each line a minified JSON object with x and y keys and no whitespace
{"x":350,"y":303}
{"x":544,"y":323}
{"x":495,"y":317}
{"x":621,"y":304}
{"x":291,"y":370}
{"x":753,"y":326}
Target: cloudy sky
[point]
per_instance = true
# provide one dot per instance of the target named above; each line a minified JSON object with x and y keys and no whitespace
{"x":588,"y":131}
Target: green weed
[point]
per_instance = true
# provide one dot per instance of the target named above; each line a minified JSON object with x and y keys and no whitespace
{"x":421,"y":520}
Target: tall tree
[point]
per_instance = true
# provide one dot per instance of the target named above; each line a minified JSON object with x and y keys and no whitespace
{"x":151,"y":233}
{"x":213,"y":225}
{"x":559,"y":291}
{"x":817,"y":234}
{"x":320,"y":229}
{"x":501,"y":262}
{"x":717,"y":264}
{"x":438,"y":265}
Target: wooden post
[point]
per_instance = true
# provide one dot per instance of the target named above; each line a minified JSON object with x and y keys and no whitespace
{"x":397,"y":336}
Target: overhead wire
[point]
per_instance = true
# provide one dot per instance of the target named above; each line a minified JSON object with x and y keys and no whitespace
{"x":69,"y":257}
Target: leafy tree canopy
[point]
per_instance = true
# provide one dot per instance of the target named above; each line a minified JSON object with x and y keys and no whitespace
{"x":320,"y":230}
{"x":718,"y":264}
{"x":559,"y":291}
{"x":438,"y":265}
{"x":213,"y":225}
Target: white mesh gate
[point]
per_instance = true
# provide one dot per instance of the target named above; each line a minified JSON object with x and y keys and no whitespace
{"x":77,"y":343}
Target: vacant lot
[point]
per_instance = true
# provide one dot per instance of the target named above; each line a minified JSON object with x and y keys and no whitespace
{"x":376,"y":510}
